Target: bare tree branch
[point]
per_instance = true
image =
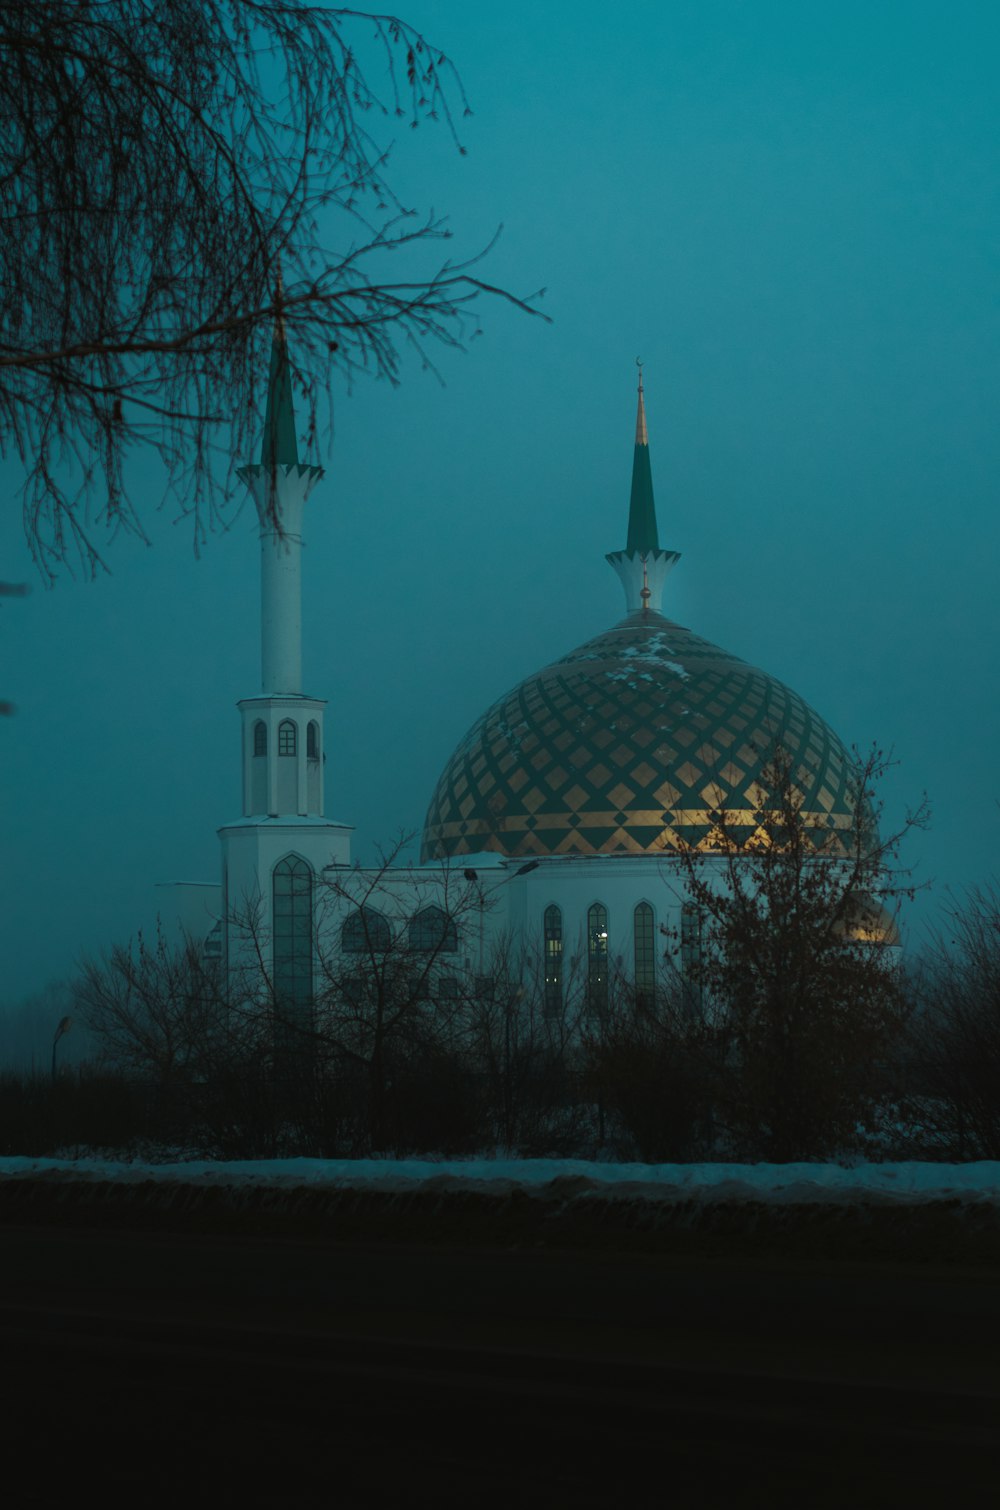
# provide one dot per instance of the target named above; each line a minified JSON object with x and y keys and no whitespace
{"x":158,"y":164}
{"x":796,"y":962}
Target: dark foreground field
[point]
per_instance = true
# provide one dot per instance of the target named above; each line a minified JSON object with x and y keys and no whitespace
{"x":143,"y":1366}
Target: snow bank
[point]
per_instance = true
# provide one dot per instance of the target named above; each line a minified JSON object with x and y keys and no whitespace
{"x":903,"y":1184}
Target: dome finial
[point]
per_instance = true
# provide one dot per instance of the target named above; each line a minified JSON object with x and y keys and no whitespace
{"x":642,"y":534}
{"x":641,"y":434}
{"x":642,"y":565}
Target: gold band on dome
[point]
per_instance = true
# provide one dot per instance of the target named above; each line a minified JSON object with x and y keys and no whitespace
{"x":510,"y":836}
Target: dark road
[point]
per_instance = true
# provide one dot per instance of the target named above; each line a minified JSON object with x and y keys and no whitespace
{"x":140,"y":1368}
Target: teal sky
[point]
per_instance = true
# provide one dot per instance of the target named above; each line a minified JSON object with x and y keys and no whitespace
{"x":791,"y":213}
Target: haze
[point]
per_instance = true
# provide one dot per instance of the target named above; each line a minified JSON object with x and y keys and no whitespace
{"x":790,"y":212}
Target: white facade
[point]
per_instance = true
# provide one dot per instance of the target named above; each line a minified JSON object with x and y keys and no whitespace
{"x":577,"y":922}
{"x":618,"y":921}
{"x":284,"y":855}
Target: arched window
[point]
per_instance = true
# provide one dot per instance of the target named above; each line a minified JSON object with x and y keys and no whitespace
{"x":312,"y":740}
{"x":287,"y":743}
{"x":292,"y":884}
{"x":365,"y":930}
{"x":597,"y":957}
{"x":433,"y":931}
{"x":645,"y":956}
{"x":260,"y":737}
{"x":691,"y":953}
{"x":553,"y":961}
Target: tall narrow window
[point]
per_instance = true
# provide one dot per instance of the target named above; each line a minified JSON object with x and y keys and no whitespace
{"x":286,"y":737}
{"x":691,"y":953}
{"x":293,"y":938}
{"x":597,"y":957}
{"x":433,"y":931}
{"x":312,"y":741}
{"x":553,"y":961}
{"x":645,"y":957}
{"x":260,"y":737}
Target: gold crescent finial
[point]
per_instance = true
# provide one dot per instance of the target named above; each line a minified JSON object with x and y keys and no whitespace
{"x":641,"y":437}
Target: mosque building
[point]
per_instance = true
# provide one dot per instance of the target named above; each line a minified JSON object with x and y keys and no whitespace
{"x":554,"y":828}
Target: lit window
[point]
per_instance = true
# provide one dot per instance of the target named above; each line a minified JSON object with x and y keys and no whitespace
{"x":433,"y":931}
{"x":286,"y":737}
{"x":312,"y":741}
{"x":553,"y":961}
{"x":365,"y":930}
{"x":260,"y":738}
{"x":645,"y":958}
{"x":597,"y":957}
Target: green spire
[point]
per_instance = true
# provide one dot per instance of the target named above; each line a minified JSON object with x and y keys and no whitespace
{"x":642,"y":532}
{"x":279,"y":446}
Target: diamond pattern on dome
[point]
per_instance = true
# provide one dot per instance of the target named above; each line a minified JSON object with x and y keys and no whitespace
{"x":653,"y":728}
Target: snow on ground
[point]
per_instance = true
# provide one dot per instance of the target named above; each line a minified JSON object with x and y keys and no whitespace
{"x":558,"y":1179}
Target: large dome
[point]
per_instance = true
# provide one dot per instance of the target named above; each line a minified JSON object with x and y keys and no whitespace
{"x":624,"y":746}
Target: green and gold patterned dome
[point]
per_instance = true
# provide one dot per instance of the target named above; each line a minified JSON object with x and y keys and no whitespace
{"x":625,"y":746}
{"x":633,"y":744}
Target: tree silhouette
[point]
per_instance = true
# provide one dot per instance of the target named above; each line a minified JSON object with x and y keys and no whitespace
{"x":161,"y":166}
{"x":794,"y":967}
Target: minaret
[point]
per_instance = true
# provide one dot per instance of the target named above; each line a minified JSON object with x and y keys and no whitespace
{"x":280,"y":486}
{"x":275,"y":855}
{"x":642,"y":566}
{"x":282,"y":727}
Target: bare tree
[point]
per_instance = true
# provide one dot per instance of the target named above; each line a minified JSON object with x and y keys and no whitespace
{"x":420,"y":1033}
{"x":157,"y":1011}
{"x":655,"y":1067}
{"x":793,"y":967}
{"x":955,"y":1095}
{"x":166,"y":1019}
{"x":525,"y":1051}
{"x":159,"y":164}
{"x":389,"y":1006}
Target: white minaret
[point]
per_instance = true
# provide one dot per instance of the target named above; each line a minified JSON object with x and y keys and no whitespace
{"x":283,"y":741}
{"x":282,"y":728}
